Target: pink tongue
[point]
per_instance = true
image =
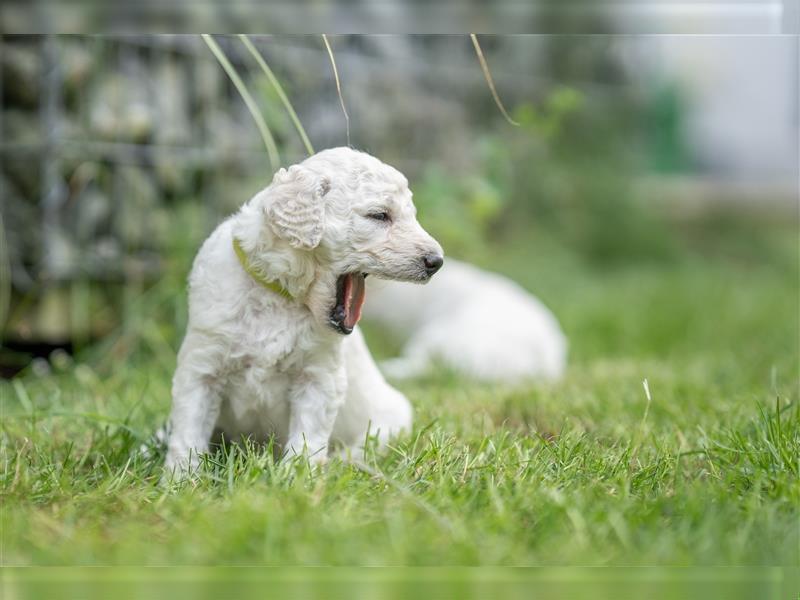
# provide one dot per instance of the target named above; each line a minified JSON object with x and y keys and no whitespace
{"x":353,"y":299}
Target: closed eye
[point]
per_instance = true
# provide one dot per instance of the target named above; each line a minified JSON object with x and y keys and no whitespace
{"x":380,"y":215}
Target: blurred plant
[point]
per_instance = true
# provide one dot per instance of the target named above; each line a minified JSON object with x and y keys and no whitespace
{"x":458,"y":212}
{"x":547,"y":121}
{"x":565,"y":174}
{"x":466,"y":212}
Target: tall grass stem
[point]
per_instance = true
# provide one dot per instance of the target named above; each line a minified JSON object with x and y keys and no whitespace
{"x":266,"y":135}
{"x":338,"y":85}
{"x":488,"y":75}
{"x":279,"y":89}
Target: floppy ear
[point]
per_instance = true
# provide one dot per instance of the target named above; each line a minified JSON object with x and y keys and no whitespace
{"x":294,"y":206}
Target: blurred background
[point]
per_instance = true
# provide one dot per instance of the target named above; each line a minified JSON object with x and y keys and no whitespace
{"x":635,"y":158}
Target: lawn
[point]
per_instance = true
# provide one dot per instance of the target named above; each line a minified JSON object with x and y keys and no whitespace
{"x":589,"y":471}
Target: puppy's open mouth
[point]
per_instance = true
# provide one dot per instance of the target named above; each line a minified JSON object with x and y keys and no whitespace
{"x":350,"y":292}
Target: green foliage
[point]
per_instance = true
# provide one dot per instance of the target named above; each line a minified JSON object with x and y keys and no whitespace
{"x":566,"y":172}
{"x":464,"y":210}
{"x":459,"y":212}
{"x":548,"y":121}
{"x":575,"y":179}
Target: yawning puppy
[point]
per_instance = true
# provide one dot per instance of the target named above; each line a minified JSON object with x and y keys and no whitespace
{"x":274,"y":295}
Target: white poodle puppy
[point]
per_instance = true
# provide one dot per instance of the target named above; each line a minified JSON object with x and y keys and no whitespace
{"x":475,"y":322}
{"x":273,"y":295}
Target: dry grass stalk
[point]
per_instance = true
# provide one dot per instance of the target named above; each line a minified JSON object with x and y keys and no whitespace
{"x":488,"y":75}
{"x":338,"y":85}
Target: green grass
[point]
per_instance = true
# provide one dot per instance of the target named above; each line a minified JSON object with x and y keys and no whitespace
{"x":586,"y":471}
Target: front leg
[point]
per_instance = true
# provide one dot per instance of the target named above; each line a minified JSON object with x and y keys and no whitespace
{"x":195,"y":408}
{"x":315,"y":400}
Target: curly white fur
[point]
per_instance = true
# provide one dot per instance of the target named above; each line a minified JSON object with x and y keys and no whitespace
{"x":254,"y":363}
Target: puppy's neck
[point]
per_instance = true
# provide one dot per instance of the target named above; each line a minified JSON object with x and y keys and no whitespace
{"x":270,"y":256}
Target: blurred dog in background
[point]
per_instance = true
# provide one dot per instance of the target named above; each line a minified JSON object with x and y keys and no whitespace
{"x":478,"y":323}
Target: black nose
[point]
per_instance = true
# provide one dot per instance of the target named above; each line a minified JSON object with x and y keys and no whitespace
{"x":433,"y":262}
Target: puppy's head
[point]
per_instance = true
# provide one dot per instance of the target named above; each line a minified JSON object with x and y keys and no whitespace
{"x":355,"y":216}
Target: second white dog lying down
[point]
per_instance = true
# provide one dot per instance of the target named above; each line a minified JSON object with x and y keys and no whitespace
{"x":473,"y":321}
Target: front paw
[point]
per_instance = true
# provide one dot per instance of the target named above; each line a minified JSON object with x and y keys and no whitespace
{"x":316,"y":455}
{"x":179,"y":465}
{"x":319,"y":459}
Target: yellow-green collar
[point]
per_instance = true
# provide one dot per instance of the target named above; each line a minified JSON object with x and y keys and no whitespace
{"x":273,"y":286}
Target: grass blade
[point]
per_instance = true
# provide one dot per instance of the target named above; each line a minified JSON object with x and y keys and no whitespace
{"x":266,"y":135}
{"x":338,"y":85}
{"x":488,"y":75}
{"x":279,"y":89}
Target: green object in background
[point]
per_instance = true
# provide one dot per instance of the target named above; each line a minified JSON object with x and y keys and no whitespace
{"x":669,"y":149}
